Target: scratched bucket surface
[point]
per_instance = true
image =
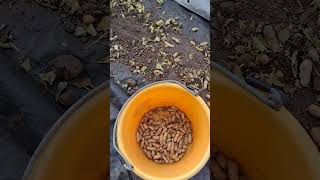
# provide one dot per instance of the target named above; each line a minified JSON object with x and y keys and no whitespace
{"x":76,"y":147}
{"x":157,"y":95}
{"x":268,"y":144}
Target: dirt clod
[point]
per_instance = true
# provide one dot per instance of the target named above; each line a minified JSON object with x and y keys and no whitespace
{"x":70,"y":66}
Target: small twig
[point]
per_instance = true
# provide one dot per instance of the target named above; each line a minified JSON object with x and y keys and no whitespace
{"x":97,"y":40}
{"x":46,"y":5}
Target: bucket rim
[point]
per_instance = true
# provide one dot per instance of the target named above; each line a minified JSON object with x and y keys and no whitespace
{"x":122,"y":158}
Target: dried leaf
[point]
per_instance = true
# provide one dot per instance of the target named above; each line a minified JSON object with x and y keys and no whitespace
{"x":308,"y":32}
{"x":176,"y":40}
{"x":276,"y":78}
{"x":104,"y":24}
{"x":143,"y":69}
{"x":159,"y":66}
{"x":157,"y":72}
{"x":242,"y":25}
{"x":139,"y":6}
{"x":240,"y":49}
{"x":271,"y":38}
{"x":73,"y":5}
{"x":195,"y":29}
{"x":174,"y":55}
{"x":88,"y":19}
{"x":258,"y":44}
{"x":26,"y":65}
{"x":167,"y":44}
{"x":161,"y":1}
{"x":284,"y":35}
{"x":48,"y":77}
{"x":262,"y":59}
{"x":80,"y":31}
{"x":313,"y":54}
{"x":91,"y":30}
{"x":61,"y":86}
{"x":8,"y":46}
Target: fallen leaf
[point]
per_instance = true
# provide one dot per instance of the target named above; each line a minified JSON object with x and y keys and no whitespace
{"x":305,"y":72}
{"x":48,"y":77}
{"x":174,"y":55}
{"x":88,"y":19}
{"x":61,"y":86}
{"x":240,"y":49}
{"x":276,"y":78}
{"x":258,"y":44}
{"x":271,"y":38}
{"x":26,"y":65}
{"x":205,"y":84}
{"x":242,"y":25}
{"x":104,"y":24}
{"x":80,"y":31}
{"x":159,"y":66}
{"x":8,"y":46}
{"x":91,"y":30}
{"x":139,"y":6}
{"x":167,"y":44}
{"x":195,"y":29}
{"x":143,"y":69}
{"x":73,"y":5}
{"x":176,"y":40}
{"x":262,"y":59}
{"x":284,"y":35}
{"x":157,"y":72}
{"x":308,"y":32}
{"x":161,"y":1}
{"x":313,"y":54}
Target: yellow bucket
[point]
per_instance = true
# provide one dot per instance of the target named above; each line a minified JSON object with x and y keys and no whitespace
{"x":163,"y":93}
{"x":269,"y":144}
{"x":76,"y":147}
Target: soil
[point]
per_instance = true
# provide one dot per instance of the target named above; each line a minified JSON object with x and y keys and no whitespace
{"x":299,"y":14}
{"x":143,"y":59}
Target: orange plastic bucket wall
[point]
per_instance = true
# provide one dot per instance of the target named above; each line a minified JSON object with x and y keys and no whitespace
{"x":157,"y":95}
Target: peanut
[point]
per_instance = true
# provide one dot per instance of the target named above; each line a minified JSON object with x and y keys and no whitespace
{"x":164,"y":134}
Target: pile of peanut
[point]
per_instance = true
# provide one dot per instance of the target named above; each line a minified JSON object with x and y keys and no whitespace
{"x":224,"y":168}
{"x":164,"y":134}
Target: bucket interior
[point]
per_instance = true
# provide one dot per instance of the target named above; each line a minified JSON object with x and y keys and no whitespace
{"x":268,"y":144}
{"x":165,"y":94}
{"x":76,"y":147}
